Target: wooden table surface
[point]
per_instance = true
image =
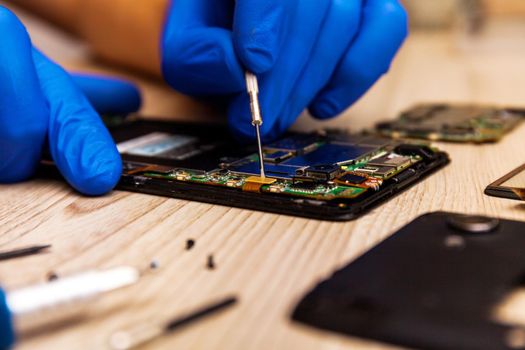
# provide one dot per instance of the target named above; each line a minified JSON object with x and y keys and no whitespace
{"x":269,"y":261}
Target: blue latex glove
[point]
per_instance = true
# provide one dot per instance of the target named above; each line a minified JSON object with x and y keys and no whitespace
{"x":40,"y":102}
{"x":7,"y":334}
{"x":316,"y":54}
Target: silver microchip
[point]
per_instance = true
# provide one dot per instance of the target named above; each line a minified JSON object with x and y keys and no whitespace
{"x":390,"y":160}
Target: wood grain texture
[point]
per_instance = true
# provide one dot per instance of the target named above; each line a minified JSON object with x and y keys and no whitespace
{"x":268,"y":260}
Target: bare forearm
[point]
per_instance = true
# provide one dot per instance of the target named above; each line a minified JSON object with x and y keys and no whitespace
{"x":61,"y":12}
{"x":124,"y":32}
{"x":127,"y":32}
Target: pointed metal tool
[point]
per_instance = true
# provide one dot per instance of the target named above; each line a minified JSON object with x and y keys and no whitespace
{"x":253,"y":91}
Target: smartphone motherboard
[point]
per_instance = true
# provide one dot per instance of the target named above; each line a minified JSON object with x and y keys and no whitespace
{"x":332,"y":176}
{"x":453,"y":123}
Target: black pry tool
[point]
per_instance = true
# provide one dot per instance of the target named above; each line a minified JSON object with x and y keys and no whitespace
{"x":21,"y":252}
{"x":129,"y":339}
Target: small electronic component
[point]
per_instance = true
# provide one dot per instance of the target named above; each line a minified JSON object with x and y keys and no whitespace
{"x":511,"y":186}
{"x":234,"y":182}
{"x":392,"y":160}
{"x":357,"y":179}
{"x":182,"y":176}
{"x":276,"y":188}
{"x":383,"y":172}
{"x":326,"y":172}
{"x":353,"y":178}
{"x":455,"y":123}
{"x":277,"y":156}
{"x":255,"y":183}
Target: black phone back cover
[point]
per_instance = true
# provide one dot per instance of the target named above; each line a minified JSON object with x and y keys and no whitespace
{"x":428,"y":286}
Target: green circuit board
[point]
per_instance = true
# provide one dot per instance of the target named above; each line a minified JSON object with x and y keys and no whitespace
{"x":454,"y":123}
{"x":305,"y":166}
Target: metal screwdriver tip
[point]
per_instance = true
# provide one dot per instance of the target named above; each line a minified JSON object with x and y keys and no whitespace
{"x":259,"y":145}
{"x":252,"y":87}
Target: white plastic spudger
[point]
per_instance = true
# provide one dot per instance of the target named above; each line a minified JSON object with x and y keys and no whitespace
{"x":69,"y":290}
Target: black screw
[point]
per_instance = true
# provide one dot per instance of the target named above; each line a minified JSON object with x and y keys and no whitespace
{"x":190,"y":243}
{"x":154,"y":264}
{"x":211,"y":262}
{"x":52,"y":276}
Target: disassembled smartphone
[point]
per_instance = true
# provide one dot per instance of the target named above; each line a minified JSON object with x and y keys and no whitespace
{"x":328,"y":175}
{"x":511,"y":186}
{"x":453,"y":123}
{"x":444,"y":281}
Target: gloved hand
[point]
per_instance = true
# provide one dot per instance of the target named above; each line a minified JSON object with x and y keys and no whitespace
{"x":316,"y":54}
{"x":40,"y":103}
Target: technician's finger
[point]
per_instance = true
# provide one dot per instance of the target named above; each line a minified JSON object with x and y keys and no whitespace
{"x":109,"y":95}
{"x":258,"y":32}
{"x":23,"y":110}
{"x":276,"y":86}
{"x":198,"y":57}
{"x":383,"y":31}
{"x":343,"y":22}
{"x":80,"y":145}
